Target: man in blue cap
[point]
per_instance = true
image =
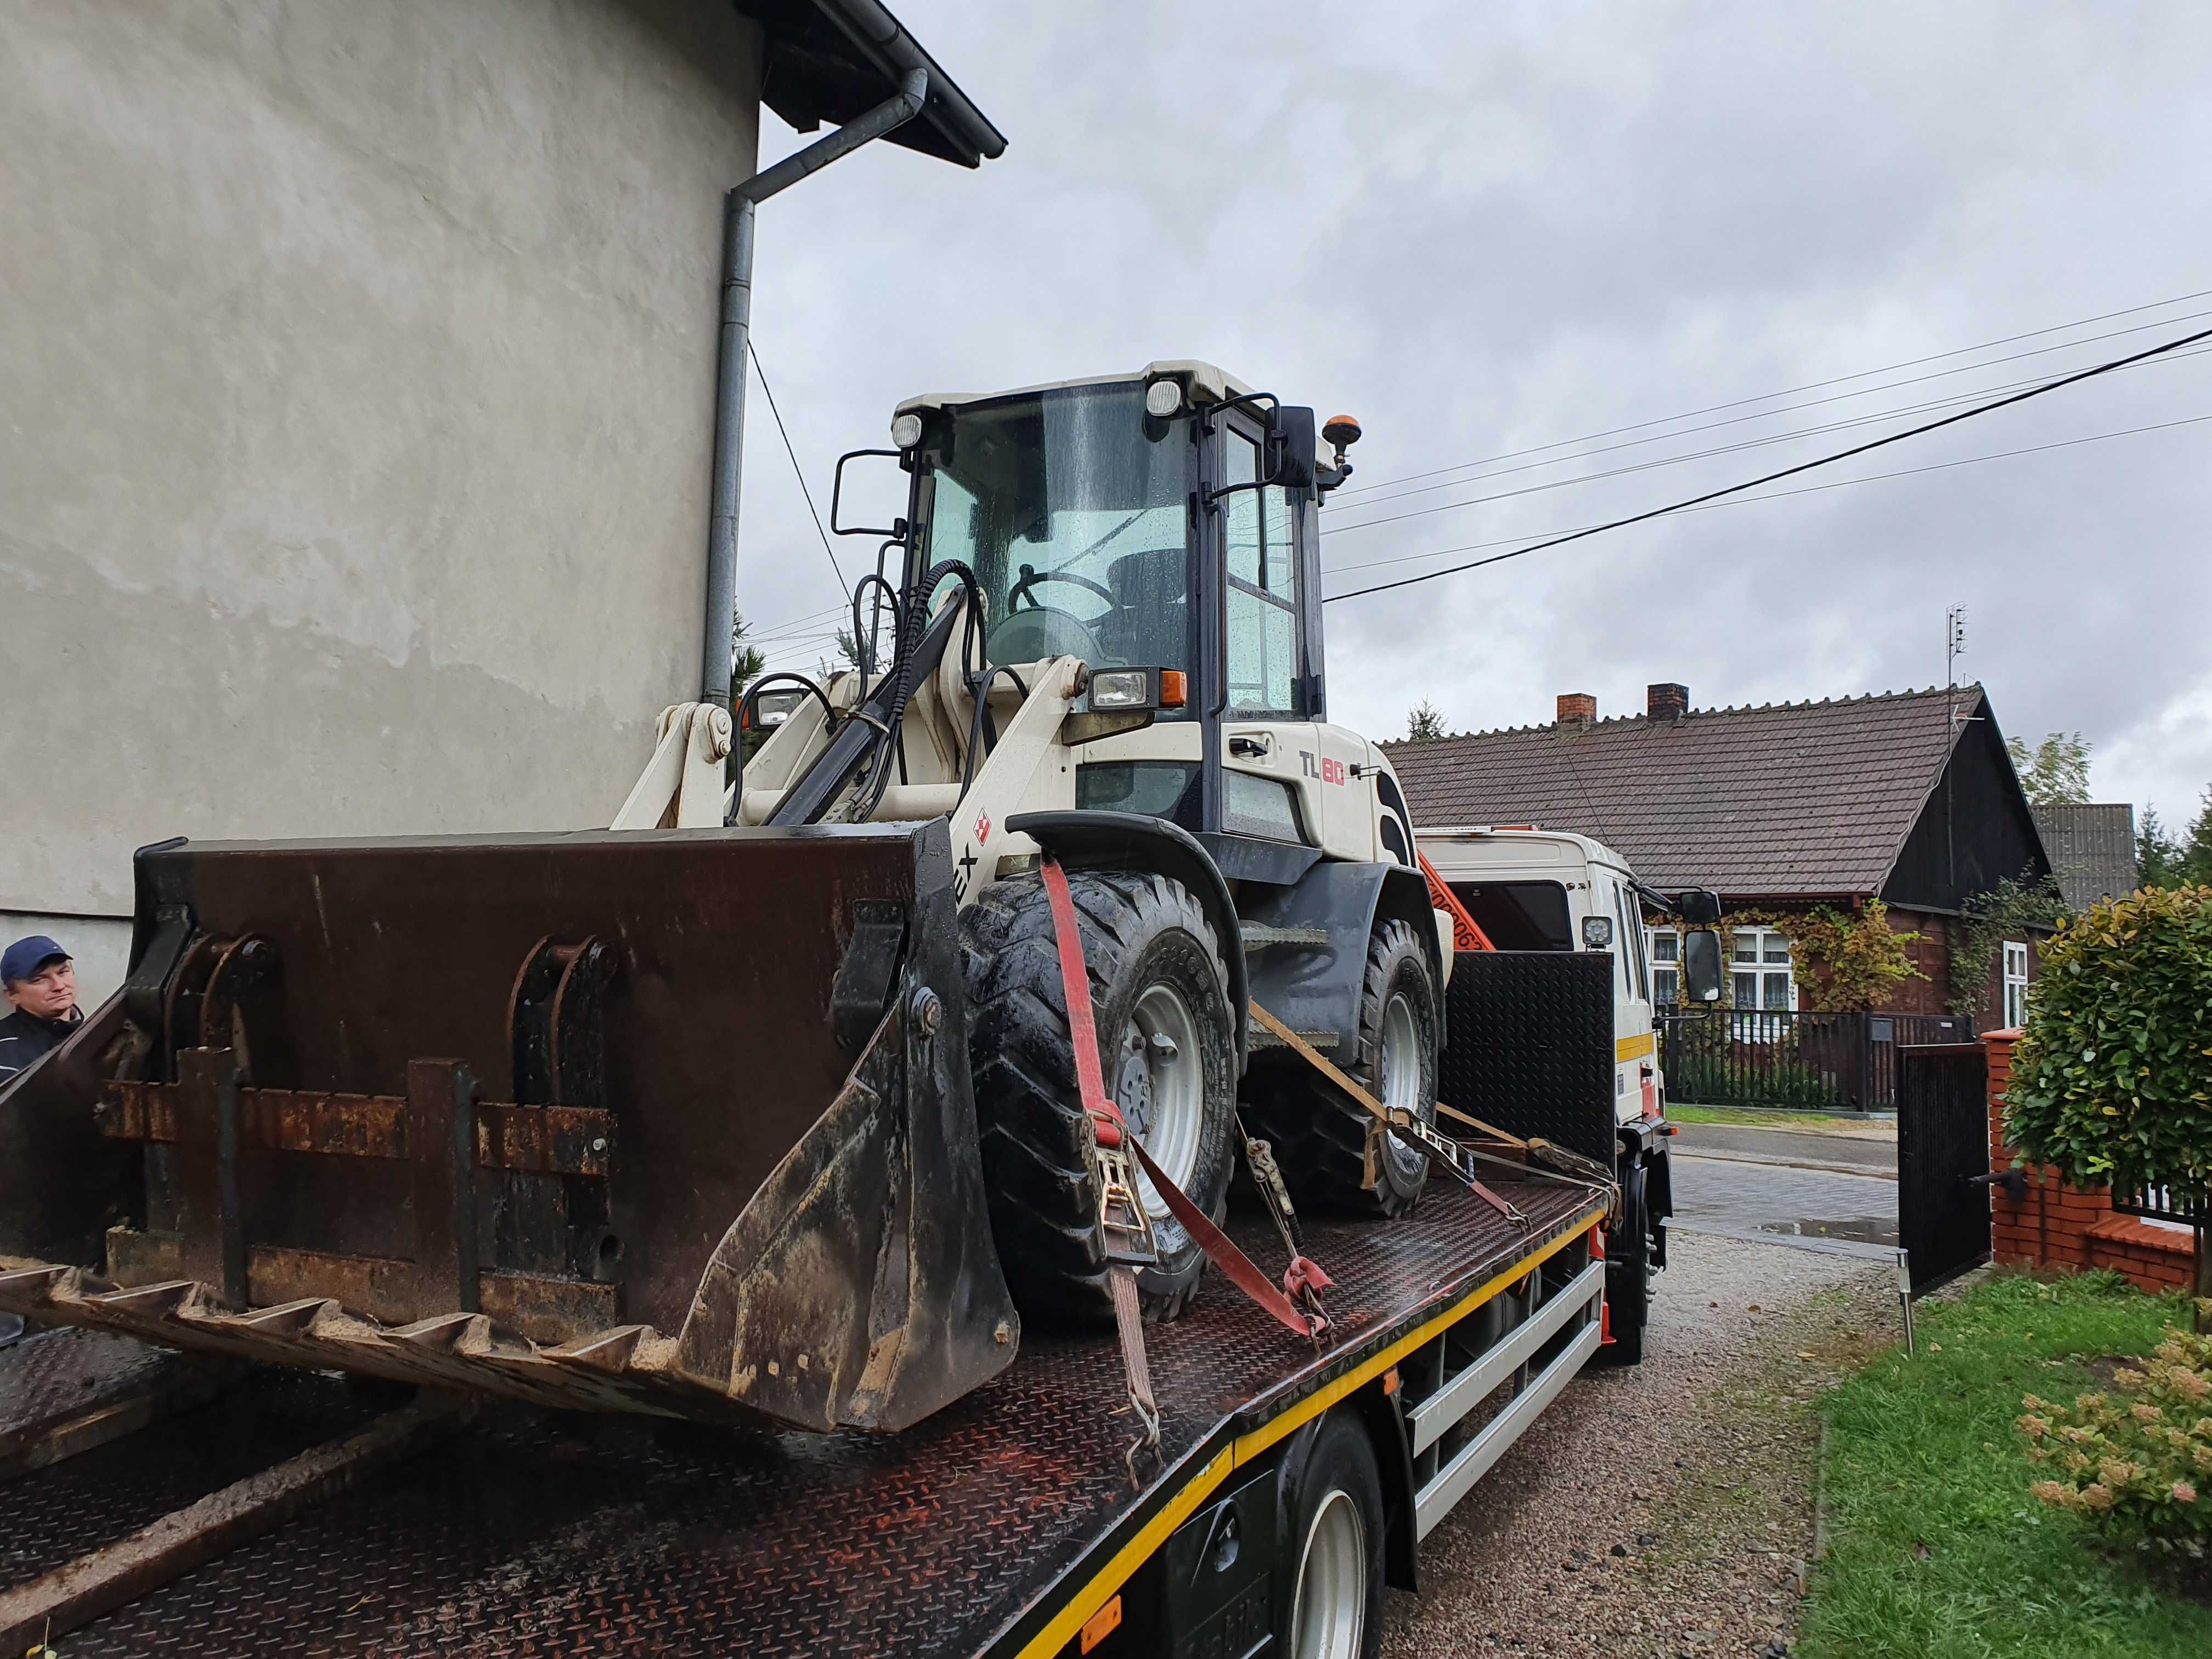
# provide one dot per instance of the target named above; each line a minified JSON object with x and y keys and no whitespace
{"x":39,"y":979}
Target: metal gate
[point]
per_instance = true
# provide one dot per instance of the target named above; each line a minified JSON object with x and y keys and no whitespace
{"x":1943,"y":1160}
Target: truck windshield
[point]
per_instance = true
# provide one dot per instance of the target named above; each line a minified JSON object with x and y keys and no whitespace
{"x":1069,"y":506}
{"x":1519,"y":916}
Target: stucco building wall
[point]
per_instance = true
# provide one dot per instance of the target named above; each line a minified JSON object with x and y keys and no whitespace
{"x":355,"y":397}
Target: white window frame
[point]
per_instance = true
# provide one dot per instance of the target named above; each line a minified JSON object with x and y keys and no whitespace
{"x":1763,"y":967}
{"x":1668,"y":969}
{"x":2016,"y":982}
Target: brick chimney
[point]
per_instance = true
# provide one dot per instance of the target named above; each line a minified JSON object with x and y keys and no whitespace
{"x":1577,"y":710}
{"x":1667,"y":701}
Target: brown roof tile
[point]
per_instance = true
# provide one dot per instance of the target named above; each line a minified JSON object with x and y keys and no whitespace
{"x":2091,"y":847}
{"x":1790,"y":799}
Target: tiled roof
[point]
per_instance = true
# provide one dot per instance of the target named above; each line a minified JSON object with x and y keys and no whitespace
{"x":2091,"y":847}
{"x":1783,"y":801}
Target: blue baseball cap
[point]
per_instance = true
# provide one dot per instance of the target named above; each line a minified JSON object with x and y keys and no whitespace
{"x":26,"y":956}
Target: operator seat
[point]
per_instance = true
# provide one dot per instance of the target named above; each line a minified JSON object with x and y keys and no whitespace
{"x":1146,"y":623}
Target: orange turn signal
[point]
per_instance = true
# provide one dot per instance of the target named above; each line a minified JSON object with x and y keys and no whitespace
{"x":1175,"y":688}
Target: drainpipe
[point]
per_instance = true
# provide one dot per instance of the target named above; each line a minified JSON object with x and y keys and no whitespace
{"x":730,"y":377}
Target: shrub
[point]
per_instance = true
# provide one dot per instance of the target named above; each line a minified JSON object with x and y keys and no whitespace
{"x":2112,"y":1081}
{"x":2137,"y":1461}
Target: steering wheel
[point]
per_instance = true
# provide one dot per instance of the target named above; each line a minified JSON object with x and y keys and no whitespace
{"x":1032,"y":577}
{"x":1041,"y":631}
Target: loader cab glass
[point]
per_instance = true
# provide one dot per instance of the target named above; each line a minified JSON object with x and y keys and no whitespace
{"x":1069,"y":507}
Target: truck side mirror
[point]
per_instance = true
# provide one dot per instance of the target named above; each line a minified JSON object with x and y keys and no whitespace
{"x":1699,"y":907}
{"x":1291,"y":452}
{"x":1701,"y":965}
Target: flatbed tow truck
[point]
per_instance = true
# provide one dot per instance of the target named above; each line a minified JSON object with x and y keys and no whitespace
{"x":169,"y":1503}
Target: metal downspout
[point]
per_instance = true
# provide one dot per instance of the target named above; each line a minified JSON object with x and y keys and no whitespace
{"x":738,"y":211}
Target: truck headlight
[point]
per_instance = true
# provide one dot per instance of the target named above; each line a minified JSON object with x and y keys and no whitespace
{"x":1597,"y":933}
{"x":1121,"y":688}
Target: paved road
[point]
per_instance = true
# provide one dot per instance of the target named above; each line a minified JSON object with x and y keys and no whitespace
{"x":1777,"y":1204}
{"x":1874,"y":1152}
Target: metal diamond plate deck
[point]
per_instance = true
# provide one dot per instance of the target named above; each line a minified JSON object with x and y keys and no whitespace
{"x":539,"y":1534}
{"x":52,"y":1375}
{"x":55,"y":1514}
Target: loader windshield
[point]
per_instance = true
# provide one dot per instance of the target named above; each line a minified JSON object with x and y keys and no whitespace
{"x":1069,"y":506}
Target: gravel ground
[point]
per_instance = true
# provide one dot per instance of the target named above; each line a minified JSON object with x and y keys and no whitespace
{"x":1663,"y":1511}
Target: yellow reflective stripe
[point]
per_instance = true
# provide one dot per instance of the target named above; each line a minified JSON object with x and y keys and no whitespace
{"x":1635,"y":1048}
{"x":1134,"y":1554}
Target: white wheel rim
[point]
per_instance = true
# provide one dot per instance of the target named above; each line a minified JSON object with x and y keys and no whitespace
{"x":1402,"y":1058}
{"x":1330,"y":1616}
{"x":1399,"y":1079}
{"x":1161,"y":1087}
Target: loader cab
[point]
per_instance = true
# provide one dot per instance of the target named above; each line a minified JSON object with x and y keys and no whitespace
{"x":1162,"y":520}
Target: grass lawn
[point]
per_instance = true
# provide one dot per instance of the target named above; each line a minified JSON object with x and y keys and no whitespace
{"x":1763,"y":1117}
{"x":1935,"y":1547}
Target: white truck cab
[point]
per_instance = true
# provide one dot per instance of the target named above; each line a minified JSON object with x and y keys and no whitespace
{"x":1546,"y":890}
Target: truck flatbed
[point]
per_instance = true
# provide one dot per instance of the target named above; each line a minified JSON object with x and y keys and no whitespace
{"x":1002,"y":1525}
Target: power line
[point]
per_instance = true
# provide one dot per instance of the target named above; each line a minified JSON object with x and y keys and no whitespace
{"x":797,"y":471}
{"x":1788,"y":392}
{"x":1774,"y":496}
{"x":1787,"y":409}
{"x":1718,"y":449}
{"x":1791,"y":471}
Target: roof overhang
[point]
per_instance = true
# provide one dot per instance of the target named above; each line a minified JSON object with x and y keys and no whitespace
{"x":832,"y":60}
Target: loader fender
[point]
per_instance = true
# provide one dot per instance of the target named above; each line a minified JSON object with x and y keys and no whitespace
{"x":1312,"y":981}
{"x":1095,"y":840}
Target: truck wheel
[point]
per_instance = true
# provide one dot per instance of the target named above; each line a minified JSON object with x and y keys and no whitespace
{"x":1167,"y":1043}
{"x":1331,"y":1606}
{"x":1320,"y":1138}
{"x":1628,"y":1271}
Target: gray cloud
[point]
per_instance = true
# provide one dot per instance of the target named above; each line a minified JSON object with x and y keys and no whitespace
{"x":1482,"y":228}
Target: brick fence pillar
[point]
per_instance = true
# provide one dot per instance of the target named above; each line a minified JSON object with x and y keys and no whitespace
{"x":2055,"y":1224}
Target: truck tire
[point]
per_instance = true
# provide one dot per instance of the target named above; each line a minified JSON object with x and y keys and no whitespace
{"x":1320,"y":1138}
{"x":1628,"y":1271}
{"x":1330,"y":1603}
{"x":1167,"y":1044}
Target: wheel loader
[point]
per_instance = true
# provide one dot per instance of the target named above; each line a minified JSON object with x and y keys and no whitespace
{"x":762,"y":1103}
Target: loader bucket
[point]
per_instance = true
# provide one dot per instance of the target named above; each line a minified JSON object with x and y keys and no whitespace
{"x":676,"y":1122}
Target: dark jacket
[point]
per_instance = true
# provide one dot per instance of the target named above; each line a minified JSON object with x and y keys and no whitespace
{"x":24,"y":1038}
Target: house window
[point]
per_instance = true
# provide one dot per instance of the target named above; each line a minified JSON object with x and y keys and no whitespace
{"x":2016,"y":982}
{"x":1760,"y":972}
{"x":1666,"y":965}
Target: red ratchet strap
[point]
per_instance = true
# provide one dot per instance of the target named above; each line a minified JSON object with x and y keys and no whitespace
{"x":1304,"y":1276}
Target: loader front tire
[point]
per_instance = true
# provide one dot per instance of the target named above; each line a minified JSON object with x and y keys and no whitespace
{"x":1320,"y":1140}
{"x":1167,"y":1046}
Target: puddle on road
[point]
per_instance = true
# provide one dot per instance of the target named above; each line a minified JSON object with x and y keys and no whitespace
{"x":1863,"y":1229}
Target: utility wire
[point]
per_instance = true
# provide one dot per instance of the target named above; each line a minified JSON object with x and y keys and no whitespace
{"x":796,"y":469}
{"x":1788,"y":392}
{"x":1843,"y":425}
{"x":1787,"y":409}
{"x":1792,"y":471}
{"x":1779,"y":495}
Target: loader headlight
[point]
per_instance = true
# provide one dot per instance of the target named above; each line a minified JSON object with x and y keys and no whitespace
{"x":905,"y":430}
{"x":1162,"y":399}
{"x":1122,"y":688}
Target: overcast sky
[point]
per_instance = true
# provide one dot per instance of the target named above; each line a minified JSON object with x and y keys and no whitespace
{"x":1486,"y":228}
